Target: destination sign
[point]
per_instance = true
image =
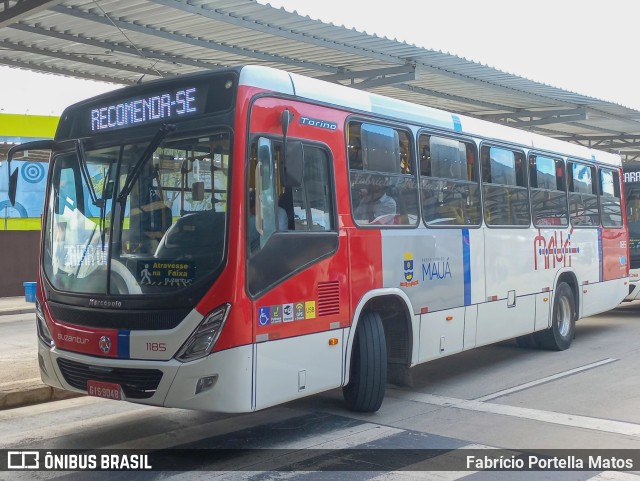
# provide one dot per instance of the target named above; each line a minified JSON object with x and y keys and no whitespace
{"x":185,"y":98}
{"x":167,"y":105}
{"x":632,"y":177}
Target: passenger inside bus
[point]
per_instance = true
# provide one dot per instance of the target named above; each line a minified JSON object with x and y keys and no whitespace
{"x":286,"y":216}
{"x":375,"y":203}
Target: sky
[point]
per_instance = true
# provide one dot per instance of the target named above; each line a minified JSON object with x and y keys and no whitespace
{"x":583,"y":47}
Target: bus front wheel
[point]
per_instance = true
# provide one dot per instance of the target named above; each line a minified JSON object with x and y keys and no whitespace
{"x":368,"y":371}
{"x":563,"y":322}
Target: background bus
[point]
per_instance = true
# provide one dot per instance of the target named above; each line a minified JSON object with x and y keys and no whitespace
{"x":237,"y":239}
{"x":631,"y":172}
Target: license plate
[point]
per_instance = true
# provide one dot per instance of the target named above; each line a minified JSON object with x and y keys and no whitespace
{"x":106,"y":390}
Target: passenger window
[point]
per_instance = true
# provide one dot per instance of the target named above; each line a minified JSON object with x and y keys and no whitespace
{"x":504,"y":178}
{"x":310,"y":206}
{"x":382,"y":176}
{"x":279,"y":205}
{"x":292,"y":222}
{"x":610,"y":203}
{"x":583,"y":198}
{"x":449,"y":182}
{"x":548,"y":191}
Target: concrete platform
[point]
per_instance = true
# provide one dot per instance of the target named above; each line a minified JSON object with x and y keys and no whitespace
{"x":15,"y":305}
{"x":20,"y":382}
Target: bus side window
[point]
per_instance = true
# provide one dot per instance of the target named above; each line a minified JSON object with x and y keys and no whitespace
{"x":449,"y":184}
{"x":548,"y":193}
{"x":382,"y":175}
{"x":506,"y":193}
{"x":610,"y":198}
{"x":583,"y":196}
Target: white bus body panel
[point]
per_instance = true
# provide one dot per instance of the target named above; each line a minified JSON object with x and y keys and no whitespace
{"x":435,"y":278}
{"x":602,"y":297}
{"x":634,"y":285}
{"x":470,"y":287}
{"x":442,"y":333}
{"x":292,"y":368}
{"x":497,"y":320}
{"x":543,"y":311}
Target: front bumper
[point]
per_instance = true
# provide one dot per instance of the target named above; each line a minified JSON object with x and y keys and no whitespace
{"x":167,"y":383}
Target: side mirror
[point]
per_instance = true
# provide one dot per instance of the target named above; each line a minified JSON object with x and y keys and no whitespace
{"x":13,"y":176}
{"x":197,"y":191}
{"x":13,"y":186}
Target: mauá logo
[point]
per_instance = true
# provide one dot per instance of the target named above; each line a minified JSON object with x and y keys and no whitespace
{"x":437,"y":268}
{"x":408,"y":271}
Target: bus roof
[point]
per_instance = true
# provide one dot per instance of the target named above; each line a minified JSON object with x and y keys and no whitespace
{"x":359,"y":100}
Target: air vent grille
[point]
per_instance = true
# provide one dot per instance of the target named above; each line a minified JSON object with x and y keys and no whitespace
{"x":328,"y":298}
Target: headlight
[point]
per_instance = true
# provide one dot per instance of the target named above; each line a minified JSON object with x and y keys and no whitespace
{"x":43,"y":330}
{"x":205,"y":336}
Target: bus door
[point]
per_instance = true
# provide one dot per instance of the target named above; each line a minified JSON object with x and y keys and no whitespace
{"x":296,"y":269}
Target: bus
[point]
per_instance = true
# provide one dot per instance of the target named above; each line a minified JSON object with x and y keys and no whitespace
{"x":631,"y":181}
{"x":236,"y":239}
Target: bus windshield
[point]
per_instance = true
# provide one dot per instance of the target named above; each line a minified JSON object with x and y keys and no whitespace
{"x":119,"y":221}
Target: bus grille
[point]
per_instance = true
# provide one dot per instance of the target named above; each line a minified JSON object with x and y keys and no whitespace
{"x":119,"y":319}
{"x":135,"y":383}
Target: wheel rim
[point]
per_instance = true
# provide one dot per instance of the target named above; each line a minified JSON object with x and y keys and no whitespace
{"x":564,"y":317}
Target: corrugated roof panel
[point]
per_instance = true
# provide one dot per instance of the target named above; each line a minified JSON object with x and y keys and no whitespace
{"x":122,"y":40}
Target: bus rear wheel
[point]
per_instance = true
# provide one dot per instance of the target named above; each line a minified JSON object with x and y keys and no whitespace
{"x":368,"y":371}
{"x":563,"y":323}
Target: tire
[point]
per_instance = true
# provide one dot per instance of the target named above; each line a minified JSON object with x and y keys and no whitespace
{"x":368,"y":371}
{"x":563,"y":322}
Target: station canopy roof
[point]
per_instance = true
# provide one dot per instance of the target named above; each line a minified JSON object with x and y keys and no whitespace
{"x":124,"y":41}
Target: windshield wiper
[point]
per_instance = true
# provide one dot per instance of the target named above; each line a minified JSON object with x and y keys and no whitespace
{"x":107,"y":192}
{"x":86,"y":176}
{"x":98,"y":202}
{"x":146,"y":155}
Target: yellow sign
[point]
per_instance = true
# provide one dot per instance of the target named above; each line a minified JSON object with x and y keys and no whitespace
{"x":310,"y":310}
{"x":34,"y":126}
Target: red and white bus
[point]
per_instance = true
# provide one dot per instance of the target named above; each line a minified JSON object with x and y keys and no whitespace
{"x":241,"y":238}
